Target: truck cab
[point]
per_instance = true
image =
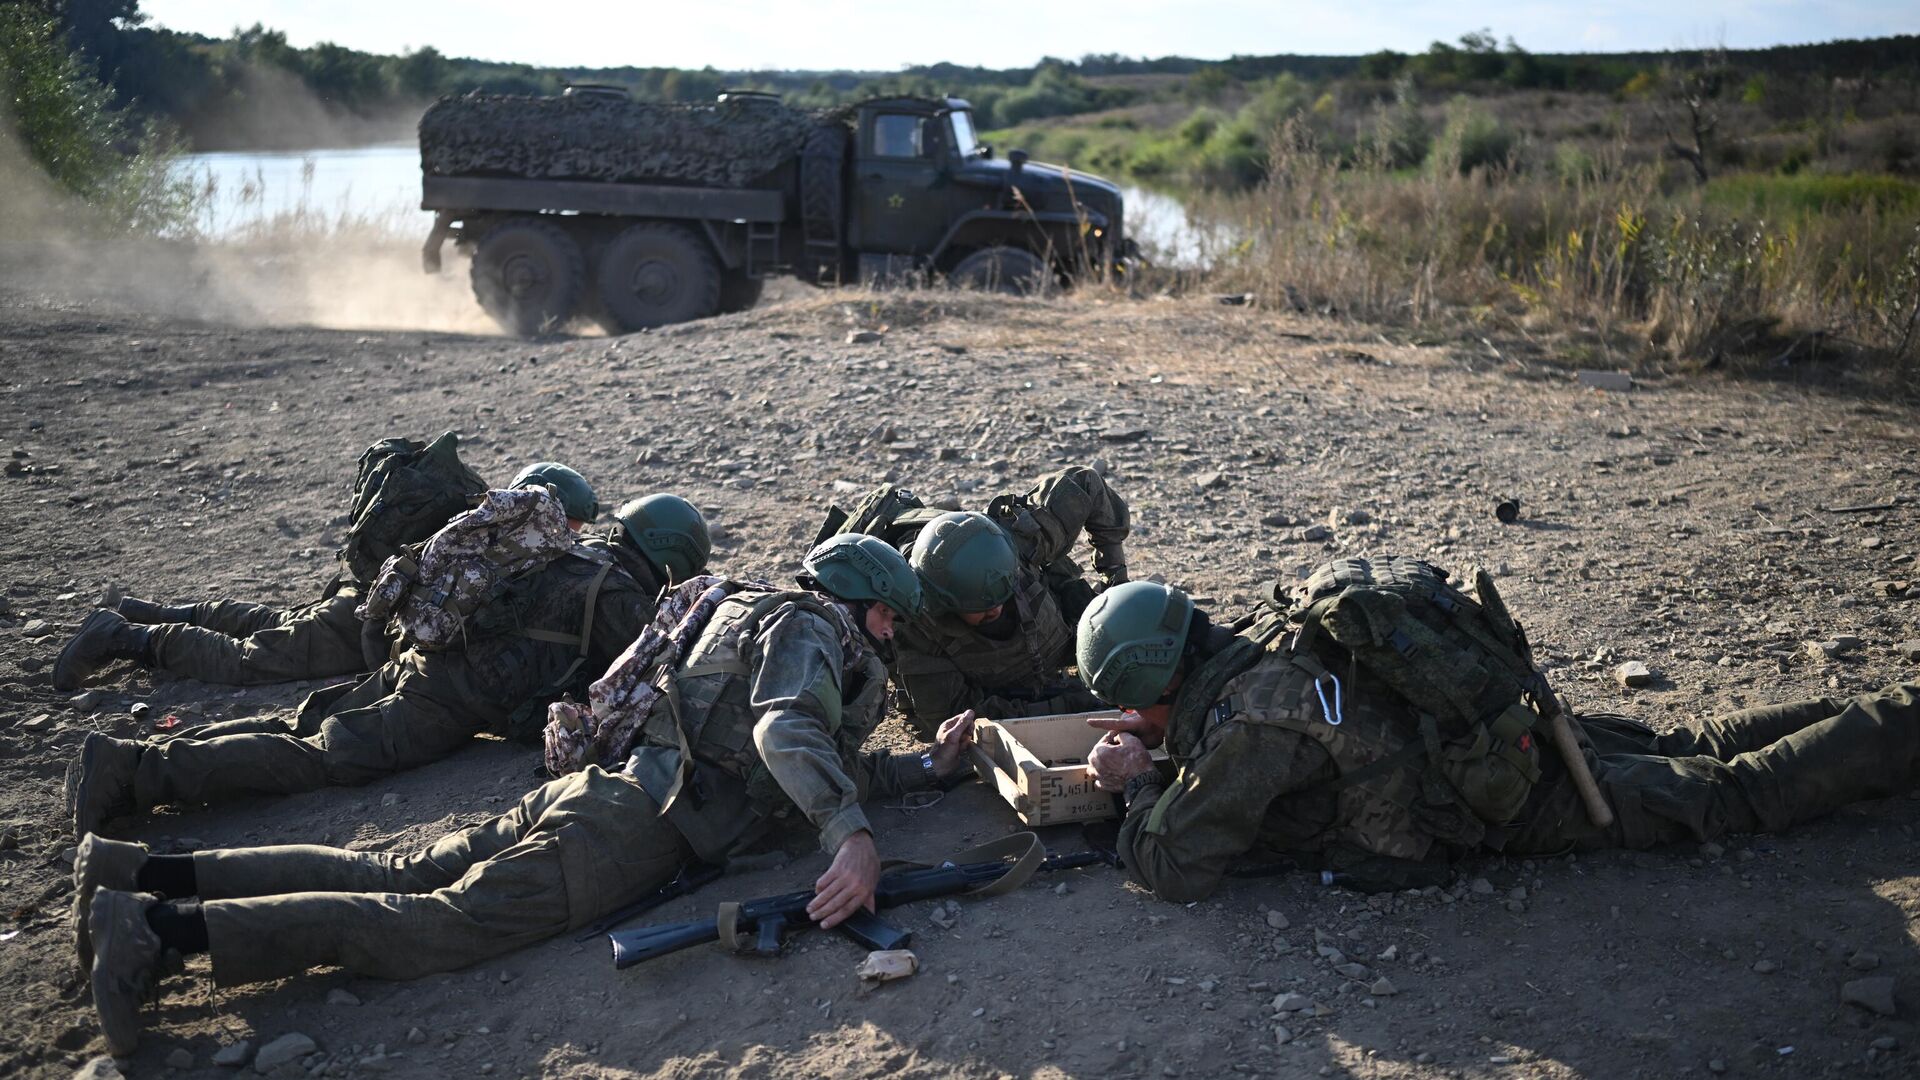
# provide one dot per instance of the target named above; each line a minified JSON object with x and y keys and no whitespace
{"x":926,"y":196}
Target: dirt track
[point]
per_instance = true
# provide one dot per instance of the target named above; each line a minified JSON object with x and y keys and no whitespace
{"x":1683,"y":524}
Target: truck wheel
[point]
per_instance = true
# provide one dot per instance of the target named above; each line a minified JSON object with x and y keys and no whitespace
{"x":655,"y":274}
{"x":1001,"y":269}
{"x":738,"y":292}
{"x":529,"y":275}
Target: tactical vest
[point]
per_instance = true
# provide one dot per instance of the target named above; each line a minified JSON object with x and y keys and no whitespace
{"x":708,"y":709}
{"x":1025,"y":663}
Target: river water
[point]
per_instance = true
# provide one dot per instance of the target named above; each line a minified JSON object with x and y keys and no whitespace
{"x":379,"y":187}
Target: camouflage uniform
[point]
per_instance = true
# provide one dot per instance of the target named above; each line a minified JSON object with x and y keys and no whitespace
{"x":1014,"y":666}
{"x":1255,"y":767}
{"x":775,"y":709}
{"x":235,"y":643}
{"x":421,"y":706}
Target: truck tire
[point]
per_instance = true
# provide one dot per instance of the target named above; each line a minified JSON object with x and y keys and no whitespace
{"x":738,"y":292}
{"x":1001,"y":269}
{"x":823,"y":200}
{"x":529,"y":275}
{"x":654,"y":274}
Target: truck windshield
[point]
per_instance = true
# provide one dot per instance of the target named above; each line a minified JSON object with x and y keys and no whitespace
{"x":964,"y":144}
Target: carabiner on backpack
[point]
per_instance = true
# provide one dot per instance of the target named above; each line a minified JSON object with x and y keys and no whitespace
{"x":1335,"y":714}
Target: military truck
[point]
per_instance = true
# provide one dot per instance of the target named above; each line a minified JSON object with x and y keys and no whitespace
{"x":589,"y":205}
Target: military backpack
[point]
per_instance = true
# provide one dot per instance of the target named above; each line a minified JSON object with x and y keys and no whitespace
{"x":403,"y":492}
{"x":890,"y":512}
{"x":1460,"y":664}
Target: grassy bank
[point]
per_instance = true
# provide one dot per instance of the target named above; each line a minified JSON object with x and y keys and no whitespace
{"x":1621,"y":264}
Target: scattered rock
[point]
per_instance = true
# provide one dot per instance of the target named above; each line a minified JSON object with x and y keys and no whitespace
{"x":1632,"y":674}
{"x":1209,"y":480}
{"x":1765,"y":967}
{"x":1711,"y":850}
{"x":1277,"y":921}
{"x":1281,"y":521}
{"x":1288,"y":1003}
{"x":180,"y":1058}
{"x":1716,"y":1066}
{"x":87,"y":701}
{"x":1830,"y":648}
{"x":100,"y":1068}
{"x":1314,"y":533}
{"x":233,"y":1056}
{"x":289,"y":1047}
{"x":37,"y":628}
{"x":1874,"y":995}
{"x":1124,"y":434}
{"x":1481,"y":887}
{"x":863,"y":337}
{"x":1282,"y":1035}
{"x":1864,"y":961}
{"x":391,"y":798}
{"x":341,"y":996}
{"x":886,"y":965}
{"x":1383,"y":987}
{"x":1355,"y":971}
{"x":416,"y":1037}
{"x":1908,"y":650}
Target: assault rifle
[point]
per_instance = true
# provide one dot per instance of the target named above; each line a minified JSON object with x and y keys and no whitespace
{"x":769,"y":917}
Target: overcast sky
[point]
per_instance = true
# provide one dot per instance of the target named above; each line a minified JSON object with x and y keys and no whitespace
{"x":884,"y":35}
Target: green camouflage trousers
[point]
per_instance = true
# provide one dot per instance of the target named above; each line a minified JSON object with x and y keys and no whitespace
{"x":1759,"y":770}
{"x":372,"y":729}
{"x":240,"y":644}
{"x":573,"y":850}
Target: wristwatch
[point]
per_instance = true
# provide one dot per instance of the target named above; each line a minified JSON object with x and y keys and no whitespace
{"x":1139,"y":783}
{"x":933,"y":775}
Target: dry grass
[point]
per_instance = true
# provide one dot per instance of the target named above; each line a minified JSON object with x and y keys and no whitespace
{"x":1600,"y":251}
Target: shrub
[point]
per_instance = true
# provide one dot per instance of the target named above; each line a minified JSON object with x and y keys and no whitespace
{"x":68,"y":123}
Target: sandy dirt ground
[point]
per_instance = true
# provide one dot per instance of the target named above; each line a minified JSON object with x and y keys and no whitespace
{"x":1688,"y":524}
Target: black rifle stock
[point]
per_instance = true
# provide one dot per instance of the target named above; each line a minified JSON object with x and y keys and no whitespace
{"x":769,"y":917}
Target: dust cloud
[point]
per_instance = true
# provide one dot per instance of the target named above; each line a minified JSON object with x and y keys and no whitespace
{"x":341,"y":276}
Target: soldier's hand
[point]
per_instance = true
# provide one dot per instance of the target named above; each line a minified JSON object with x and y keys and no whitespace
{"x":848,"y":884}
{"x":1116,"y":759}
{"x":1128,"y":722}
{"x":952,"y":740}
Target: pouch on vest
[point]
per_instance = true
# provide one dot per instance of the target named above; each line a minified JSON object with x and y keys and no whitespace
{"x":890,"y":512}
{"x":473,"y":560}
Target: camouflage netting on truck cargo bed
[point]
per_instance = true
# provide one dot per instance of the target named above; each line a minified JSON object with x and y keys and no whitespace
{"x":602,"y":137}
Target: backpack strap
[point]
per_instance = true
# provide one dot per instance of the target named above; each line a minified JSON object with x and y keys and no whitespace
{"x":583,"y":639}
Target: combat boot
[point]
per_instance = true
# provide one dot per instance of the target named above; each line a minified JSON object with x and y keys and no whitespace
{"x":100,"y":781}
{"x":103,"y":638}
{"x":148,"y":613}
{"x":126,"y":964}
{"x":100,"y":864}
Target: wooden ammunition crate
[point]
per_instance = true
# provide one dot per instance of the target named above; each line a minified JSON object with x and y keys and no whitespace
{"x":1039,"y":765}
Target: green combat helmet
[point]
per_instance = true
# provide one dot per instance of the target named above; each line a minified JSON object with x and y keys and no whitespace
{"x":670,"y":531}
{"x":966,"y":562}
{"x":575,"y":494}
{"x":855,"y":566}
{"x":1130,"y":642}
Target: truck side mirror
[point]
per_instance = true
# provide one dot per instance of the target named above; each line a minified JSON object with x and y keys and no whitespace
{"x":1016,"y":160}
